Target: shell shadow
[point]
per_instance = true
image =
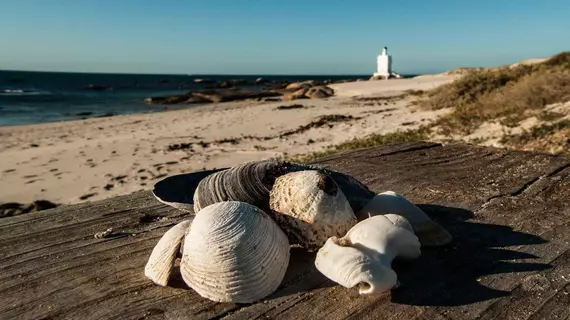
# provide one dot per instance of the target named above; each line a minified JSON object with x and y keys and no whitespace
{"x":442,"y":276}
{"x":178,"y":190}
{"x":449,"y":275}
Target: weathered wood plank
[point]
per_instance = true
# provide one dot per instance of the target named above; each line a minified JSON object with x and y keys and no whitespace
{"x":507,"y":210}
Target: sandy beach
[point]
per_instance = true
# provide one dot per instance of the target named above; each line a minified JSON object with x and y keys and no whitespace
{"x":76,"y":161}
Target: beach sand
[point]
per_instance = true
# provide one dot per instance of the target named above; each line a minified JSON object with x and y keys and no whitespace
{"x":76,"y":161}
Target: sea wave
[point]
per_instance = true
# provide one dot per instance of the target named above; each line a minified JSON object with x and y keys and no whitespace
{"x":22,"y":92}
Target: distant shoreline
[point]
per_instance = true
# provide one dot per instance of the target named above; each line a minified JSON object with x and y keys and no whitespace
{"x":30,"y":97}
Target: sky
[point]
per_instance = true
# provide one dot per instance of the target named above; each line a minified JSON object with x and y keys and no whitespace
{"x":276,"y":37}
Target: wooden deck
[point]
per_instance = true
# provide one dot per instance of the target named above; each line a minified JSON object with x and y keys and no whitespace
{"x":509,"y":213}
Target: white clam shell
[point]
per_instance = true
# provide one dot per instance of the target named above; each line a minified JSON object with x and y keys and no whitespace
{"x":310,"y":207}
{"x":234,"y":252}
{"x":429,"y":232}
{"x":364,"y":256}
{"x":161,"y":260}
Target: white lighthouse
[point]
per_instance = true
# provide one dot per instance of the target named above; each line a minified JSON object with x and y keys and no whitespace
{"x":384,"y":68}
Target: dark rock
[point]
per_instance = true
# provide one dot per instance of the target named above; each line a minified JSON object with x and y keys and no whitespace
{"x":293,"y":106}
{"x":238,"y":82}
{"x":87,"y":196}
{"x":300,"y":85}
{"x":108,"y":114}
{"x":86,"y":113}
{"x":97,"y":87}
{"x":179,"y":146}
{"x":213,"y":96}
{"x":40,"y":205}
{"x":259,"y":81}
{"x":14,"y":208}
{"x":299,"y":94}
{"x":203,"y":81}
{"x":319,"y":92}
{"x":33,"y":145}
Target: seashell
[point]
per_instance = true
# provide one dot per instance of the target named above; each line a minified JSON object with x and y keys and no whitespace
{"x":234,"y":252}
{"x":310,"y":207}
{"x":382,"y":236}
{"x":249,"y":182}
{"x":350,"y":267}
{"x":177,"y":191}
{"x":429,"y":232}
{"x":364,"y":255}
{"x":161,"y":260}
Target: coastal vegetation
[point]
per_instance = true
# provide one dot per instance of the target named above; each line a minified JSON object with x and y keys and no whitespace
{"x":507,"y":95}
{"x":372,"y":140}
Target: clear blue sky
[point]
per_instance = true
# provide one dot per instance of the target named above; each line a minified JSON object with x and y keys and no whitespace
{"x":276,"y":37}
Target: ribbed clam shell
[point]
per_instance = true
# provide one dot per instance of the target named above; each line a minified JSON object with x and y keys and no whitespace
{"x":234,"y":253}
{"x":177,"y":190}
{"x":310,"y":207}
{"x":250,"y":183}
{"x":161,"y":260}
{"x":428,"y":231}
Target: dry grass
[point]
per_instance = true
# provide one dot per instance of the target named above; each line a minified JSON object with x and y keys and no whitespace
{"x":553,"y":138}
{"x":509,"y":93}
{"x":373,"y":140}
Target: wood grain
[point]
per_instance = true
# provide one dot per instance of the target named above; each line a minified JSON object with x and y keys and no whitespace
{"x":507,"y":210}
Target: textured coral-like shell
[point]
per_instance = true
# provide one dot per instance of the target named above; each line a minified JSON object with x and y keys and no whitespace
{"x":161,"y":260}
{"x":349,"y":267}
{"x":429,"y":232}
{"x":380,"y":235}
{"x":234,"y":252}
{"x":364,"y":255}
{"x":310,"y":207}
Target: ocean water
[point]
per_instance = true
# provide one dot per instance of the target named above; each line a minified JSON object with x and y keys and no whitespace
{"x":38,"y":97}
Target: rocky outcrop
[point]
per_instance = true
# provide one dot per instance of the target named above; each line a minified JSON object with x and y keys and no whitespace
{"x":319,"y":92}
{"x":299,"y":94}
{"x":316,"y":92}
{"x":300,"y":85}
{"x":212,"y":96}
{"x":260,"y":81}
{"x":14,"y":208}
{"x":391,"y":76}
{"x":203,"y":81}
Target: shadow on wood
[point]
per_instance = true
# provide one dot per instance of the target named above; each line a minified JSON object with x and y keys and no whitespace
{"x":449,"y":276}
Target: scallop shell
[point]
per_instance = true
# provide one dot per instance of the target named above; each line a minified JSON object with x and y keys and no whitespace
{"x":161,"y":260}
{"x":310,"y":207}
{"x":234,"y":252}
{"x":364,"y":255}
{"x":429,"y":232}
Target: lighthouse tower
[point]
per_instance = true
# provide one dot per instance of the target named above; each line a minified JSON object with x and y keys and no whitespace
{"x":384,"y":69}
